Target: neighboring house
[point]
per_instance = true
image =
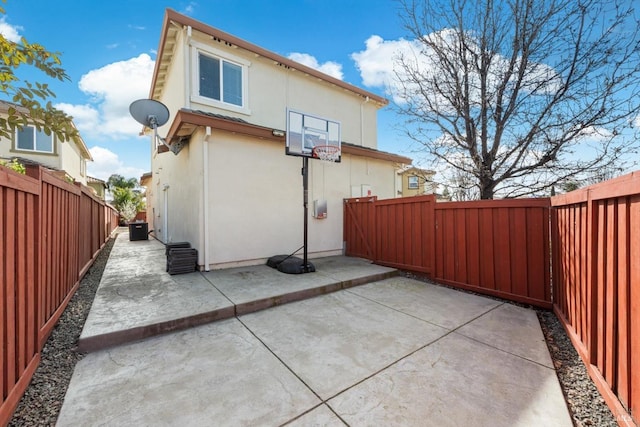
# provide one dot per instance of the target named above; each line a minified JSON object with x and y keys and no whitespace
{"x":231,"y":191}
{"x":416,"y":181}
{"x":29,"y":145}
{"x":98,"y":186}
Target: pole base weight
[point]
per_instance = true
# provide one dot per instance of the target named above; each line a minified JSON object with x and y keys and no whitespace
{"x":290,"y":264}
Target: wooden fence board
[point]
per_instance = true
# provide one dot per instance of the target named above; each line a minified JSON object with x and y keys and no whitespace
{"x":622,"y":290}
{"x":3,"y":278}
{"x":634,"y":306}
{"x":10,"y":291}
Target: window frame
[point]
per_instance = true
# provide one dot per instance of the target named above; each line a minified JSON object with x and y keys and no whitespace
{"x":416,"y":185}
{"x":35,"y":134}
{"x":198,"y":49}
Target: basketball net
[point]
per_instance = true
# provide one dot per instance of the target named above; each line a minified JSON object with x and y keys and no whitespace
{"x":326,"y":153}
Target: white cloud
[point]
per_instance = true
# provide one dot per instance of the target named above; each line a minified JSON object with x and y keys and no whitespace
{"x":112,"y":88}
{"x":596,"y":134}
{"x":189,"y":8}
{"x":330,"y":68}
{"x":106,"y":163}
{"x":85,"y":117}
{"x":376,"y":62}
{"x":10,"y":32}
{"x":379,"y":66}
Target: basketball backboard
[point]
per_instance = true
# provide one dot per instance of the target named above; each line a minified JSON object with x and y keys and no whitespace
{"x":306,"y":131}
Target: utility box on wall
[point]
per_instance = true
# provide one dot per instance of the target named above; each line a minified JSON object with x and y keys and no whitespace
{"x":320,"y":209}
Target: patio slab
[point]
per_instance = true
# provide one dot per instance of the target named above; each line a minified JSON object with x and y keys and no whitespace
{"x":138,"y":299}
{"x":337,"y":340}
{"x":337,"y":359}
{"x":441,"y":306}
{"x":457,"y":381}
{"x":512,"y":329}
{"x":217,"y":374}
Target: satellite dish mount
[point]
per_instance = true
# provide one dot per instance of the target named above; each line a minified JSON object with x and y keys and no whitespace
{"x":152,"y":113}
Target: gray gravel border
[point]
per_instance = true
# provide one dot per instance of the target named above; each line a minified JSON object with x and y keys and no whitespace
{"x":585,"y":402}
{"x":43,"y":399}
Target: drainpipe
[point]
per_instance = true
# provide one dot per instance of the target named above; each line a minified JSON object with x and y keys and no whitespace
{"x":165,"y":188}
{"x":187,"y":67}
{"x":205,"y":198}
{"x":366,"y":99}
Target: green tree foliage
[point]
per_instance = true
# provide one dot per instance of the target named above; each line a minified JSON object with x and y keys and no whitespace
{"x":31,"y":101}
{"x":118,"y":181}
{"x":126,"y":197}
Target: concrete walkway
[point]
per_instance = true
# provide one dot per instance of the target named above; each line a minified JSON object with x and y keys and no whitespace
{"x":393,"y":351}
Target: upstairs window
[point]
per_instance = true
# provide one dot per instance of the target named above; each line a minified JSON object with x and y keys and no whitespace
{"x":220,"y":80}
{"x":31,"y":139}
{"x":413,"y":182}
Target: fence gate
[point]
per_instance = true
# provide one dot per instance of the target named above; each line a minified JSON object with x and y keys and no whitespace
{"x":359,"y":227}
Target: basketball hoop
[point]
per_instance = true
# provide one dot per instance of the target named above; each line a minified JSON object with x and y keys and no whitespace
{"x":327,"y":153}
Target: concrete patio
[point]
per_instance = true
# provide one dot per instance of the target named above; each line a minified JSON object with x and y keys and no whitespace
{"x":221,"y":348}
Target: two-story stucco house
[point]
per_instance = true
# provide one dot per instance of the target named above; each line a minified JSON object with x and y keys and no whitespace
{"x":32,"y":146}
{"x":416,"y":182}
{"x":231,"y":191}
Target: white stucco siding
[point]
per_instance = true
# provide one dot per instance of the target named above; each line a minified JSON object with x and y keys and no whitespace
{"x":72,"y":162}
{"x":179,"y":180}
{"x":271,"y":89}
{"x":256,"y":199}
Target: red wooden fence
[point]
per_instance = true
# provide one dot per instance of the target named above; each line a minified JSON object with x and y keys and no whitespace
{"x":596,"y":249}
{"x":497,"y":247}
{"x":404,"y":233}
{"x":50,"y":233}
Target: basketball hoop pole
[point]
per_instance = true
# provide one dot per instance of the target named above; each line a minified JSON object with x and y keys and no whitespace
{"x":306,"y":268}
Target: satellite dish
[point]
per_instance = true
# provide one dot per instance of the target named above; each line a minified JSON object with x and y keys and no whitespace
{"x":152,"y":113}
{"x":149,"y":112}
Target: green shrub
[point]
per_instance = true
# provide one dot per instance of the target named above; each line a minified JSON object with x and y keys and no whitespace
{"x":14,"y":165}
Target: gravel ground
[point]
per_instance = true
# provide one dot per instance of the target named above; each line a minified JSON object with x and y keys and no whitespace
{"x":43,"y":399}
{"x":585,"y":403}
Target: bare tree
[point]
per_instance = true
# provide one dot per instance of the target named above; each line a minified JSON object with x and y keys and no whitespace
{"x":528,"y":92}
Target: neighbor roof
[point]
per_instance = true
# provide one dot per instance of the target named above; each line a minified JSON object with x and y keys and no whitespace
{"x":414,"y":169}
{"x":167,"y":42}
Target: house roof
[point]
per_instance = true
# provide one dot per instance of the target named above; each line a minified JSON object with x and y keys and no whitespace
{"x":94,"y":180}
{"x":187,"y":121}
{"x":414,"y":169}
{"x":145,"y":177}
{"x":173,"y":21}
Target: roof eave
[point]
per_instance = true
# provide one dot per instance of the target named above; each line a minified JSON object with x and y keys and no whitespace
{"x":186,"y":121}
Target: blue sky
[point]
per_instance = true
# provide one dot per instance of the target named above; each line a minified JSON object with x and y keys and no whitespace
{"x":109,"y":48}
